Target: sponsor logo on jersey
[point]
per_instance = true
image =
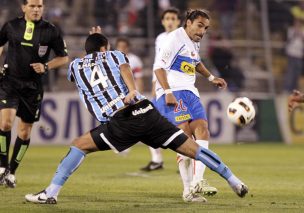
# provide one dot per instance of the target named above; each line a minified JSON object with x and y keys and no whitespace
{"x":112,"y":103}
{"x":142,"y":110}
{"x":187,"y":68}
{"x":182,"y":117}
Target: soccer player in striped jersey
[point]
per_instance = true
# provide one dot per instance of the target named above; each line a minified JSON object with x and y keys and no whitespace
{"x":170,"y":20}
{"x":178,"y":98}
{"x":106,"y":87}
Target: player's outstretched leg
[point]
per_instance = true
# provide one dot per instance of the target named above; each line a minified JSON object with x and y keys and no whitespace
{"x":198,"y":183}
{"x":67,"y":166}
{"x":212,"y":161}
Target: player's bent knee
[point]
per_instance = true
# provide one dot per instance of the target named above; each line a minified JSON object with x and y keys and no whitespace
{"x":189,"y":148}
{"x":6,"y":125}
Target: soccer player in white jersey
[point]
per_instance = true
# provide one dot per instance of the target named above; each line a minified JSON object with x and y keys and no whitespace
{"x":177,"y":97}
{"x":170,"y":20}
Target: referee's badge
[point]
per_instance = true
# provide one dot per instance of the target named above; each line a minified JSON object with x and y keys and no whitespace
{"x":42,"y":50}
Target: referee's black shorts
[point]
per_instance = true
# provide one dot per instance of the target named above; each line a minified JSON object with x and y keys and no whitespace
{"x":24,"y":96}
{"x":139,"y":122}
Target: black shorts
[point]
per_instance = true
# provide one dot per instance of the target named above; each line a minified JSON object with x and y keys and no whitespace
{"x":139,"y":122}
{"x":24,"y":96}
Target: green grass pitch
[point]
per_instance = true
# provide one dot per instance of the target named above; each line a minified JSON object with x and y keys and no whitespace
{"x":110,"y":183}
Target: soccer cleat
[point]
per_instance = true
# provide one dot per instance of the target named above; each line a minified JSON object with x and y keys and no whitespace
{"x":240,"y":189}
{"x":152,"y":166}
{"x":3,"y":173}
{"x":204,"y":188}
{"x":192,"y":197}
{"x":10,"y":180}
{"x":40,"y":198}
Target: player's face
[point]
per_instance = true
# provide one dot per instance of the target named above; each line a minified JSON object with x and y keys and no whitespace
{"x":197,"y":28}
{"x":33,"y":10}
{"x":170,"y":22}
{"x":123,"y":47}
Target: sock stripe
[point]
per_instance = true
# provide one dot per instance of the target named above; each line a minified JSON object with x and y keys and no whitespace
{"x":2,"y":144}
{"x":210,"y":156}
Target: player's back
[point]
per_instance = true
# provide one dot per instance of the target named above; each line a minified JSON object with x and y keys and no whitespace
{"x":100,"y":85}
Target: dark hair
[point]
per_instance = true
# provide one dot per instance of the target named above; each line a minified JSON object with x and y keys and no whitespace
{"x":94,"y":42}
{"x":123,"y":39}
{"x":24,"y":2}
{"x":194,"y":14}
{"x":171,"y":10}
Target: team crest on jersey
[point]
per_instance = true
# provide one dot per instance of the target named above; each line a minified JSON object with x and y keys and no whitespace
{"x":42,"y":50}
{"x":166,"y":55}
{"x":29,"y":30}
{"x":187,"y":68}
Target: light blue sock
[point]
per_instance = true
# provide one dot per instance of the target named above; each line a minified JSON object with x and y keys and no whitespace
{"x":66,"y":167}
{"x":211,"y":160}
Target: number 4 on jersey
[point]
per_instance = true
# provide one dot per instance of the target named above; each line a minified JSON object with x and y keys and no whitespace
{"x":98,"y":78}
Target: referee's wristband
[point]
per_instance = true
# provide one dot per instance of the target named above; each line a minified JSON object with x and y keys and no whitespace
{"x":211,"y":77}
{"x":168,"y":91}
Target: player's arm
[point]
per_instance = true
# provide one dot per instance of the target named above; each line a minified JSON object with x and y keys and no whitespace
{"x":1,"y":50}
{"x":164,"y":60}
{"x":52,"y":64}
{"x":58,"y":45}
{"x":219,"y":82}
{"x":295,"y":99}
{"x":127,"y":76}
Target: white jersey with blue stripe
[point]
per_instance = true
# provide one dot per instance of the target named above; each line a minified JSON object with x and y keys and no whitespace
{"x":179,"y":56}
{"x":99,"y":82}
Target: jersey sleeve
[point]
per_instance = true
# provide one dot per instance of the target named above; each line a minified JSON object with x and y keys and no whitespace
{"x":121,"y":58}
{"x":70,"y":74}
{"x":167,"y":55}
{"x":58,"y":44}
{"x":3,"y":35}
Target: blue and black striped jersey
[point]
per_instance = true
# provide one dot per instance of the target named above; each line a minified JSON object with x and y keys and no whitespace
{"x":99,"y":82}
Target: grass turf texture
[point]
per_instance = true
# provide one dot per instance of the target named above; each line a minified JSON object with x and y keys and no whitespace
{"x":110,"y":183}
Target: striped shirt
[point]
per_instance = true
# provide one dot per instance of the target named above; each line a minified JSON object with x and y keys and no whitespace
{"x":99,"y":82}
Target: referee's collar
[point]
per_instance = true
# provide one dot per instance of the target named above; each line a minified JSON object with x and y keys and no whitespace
{"x":36,"y":22}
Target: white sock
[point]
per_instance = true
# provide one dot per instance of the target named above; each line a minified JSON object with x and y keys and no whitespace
{"x":198,"y":166}
{"x":156,"y":154}
{"x":185,"y":170}
{"x":53,"y":190}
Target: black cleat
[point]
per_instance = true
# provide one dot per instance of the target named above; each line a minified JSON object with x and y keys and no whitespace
{"x":152,"y":166}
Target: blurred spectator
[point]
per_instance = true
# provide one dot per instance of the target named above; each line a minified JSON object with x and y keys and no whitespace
{"x":223,"y":60}
{"x":123,"y":45}
{"x":297,"y":11}
{"x":294,"y":52}
{"x":227,"y":11}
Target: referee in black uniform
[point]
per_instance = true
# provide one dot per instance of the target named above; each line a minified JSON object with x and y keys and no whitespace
{"x":30,"y":40}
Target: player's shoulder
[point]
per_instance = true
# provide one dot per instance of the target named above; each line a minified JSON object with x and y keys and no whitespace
{"x":161,"y":36}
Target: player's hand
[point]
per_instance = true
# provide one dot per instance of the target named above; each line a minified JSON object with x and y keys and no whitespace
{"x":130,"y":97}
{"x":38,"y":68}
{"x":170,"y":99}
{"x":95,"y":30}
{"x":295,"y":99}
{"x":220,"y":83}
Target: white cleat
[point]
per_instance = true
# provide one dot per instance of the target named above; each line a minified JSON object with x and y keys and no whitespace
{"x":196,"y":198}
{"x":240,"y":189}
{"x":10,"y":180}
{"x":40,"y":198}
{"x":204,"y":188}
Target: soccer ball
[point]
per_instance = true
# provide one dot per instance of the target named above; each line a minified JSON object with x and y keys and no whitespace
{"x":241,"y":111}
